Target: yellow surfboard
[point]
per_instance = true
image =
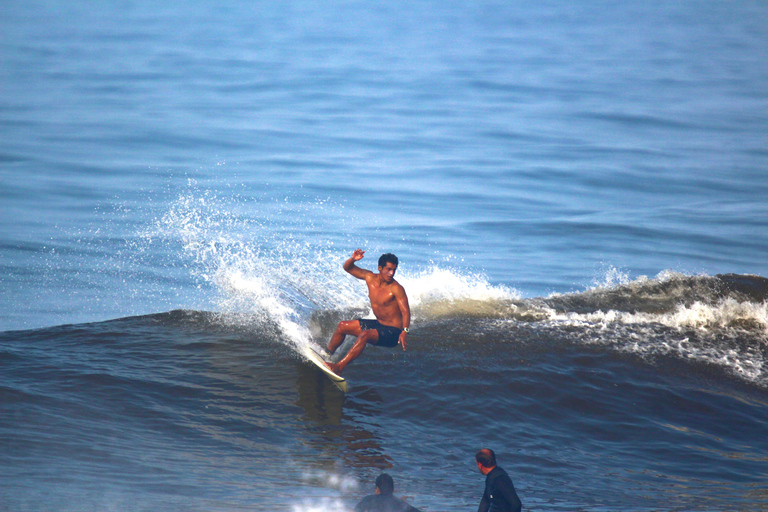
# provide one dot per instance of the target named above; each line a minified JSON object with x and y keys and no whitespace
{"x":318,"y":361}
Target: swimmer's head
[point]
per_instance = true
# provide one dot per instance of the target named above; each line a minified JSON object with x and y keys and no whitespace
{"x":385,"y":484}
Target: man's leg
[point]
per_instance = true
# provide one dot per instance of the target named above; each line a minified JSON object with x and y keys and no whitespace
{"x":351,"y":327}
{"x":369,"y":336}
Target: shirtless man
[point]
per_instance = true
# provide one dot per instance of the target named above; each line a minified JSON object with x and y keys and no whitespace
{"x":390,"y":306}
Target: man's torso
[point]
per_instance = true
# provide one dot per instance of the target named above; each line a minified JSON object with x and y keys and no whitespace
{"x":384,"y":302}
{"x":495,"y":481}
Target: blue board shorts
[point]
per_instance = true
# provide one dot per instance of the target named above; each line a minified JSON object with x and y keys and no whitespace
{"x":388,"y":335}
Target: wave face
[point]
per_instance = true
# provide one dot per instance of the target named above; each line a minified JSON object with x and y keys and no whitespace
{"x":614,"y":398}
{"x":298,"y":285}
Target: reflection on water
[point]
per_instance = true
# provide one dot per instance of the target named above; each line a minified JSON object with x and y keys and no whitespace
{"x":334,"y":433}
{"x":321,"y":400}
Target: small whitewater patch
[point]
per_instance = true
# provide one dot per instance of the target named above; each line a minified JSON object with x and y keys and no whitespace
{"x":702,"y":303}
{"x":437,"y":292}
{"x":695,"y":318}
{"x":321,"y":505}
{"x":326,"y":480}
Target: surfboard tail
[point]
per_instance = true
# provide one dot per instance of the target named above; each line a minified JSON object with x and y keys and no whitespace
{"x":316,"y":358}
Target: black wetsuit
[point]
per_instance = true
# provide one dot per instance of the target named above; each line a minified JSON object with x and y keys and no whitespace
{"x":383,"y":503}
{"x":499,"y":495}
{"x":388,"y":335}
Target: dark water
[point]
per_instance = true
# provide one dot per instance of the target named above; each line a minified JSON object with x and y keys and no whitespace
{"x":194,"y":411}
{"x":576,"y":192}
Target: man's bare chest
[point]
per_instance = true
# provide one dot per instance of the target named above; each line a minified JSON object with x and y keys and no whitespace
{"x":381,"y":296}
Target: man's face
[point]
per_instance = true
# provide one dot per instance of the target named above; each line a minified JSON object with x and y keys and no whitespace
{"x":388,"y":271}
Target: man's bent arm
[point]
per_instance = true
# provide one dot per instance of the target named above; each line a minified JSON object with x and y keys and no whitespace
{"x":405,"y":311}
{"x":353,"y":269}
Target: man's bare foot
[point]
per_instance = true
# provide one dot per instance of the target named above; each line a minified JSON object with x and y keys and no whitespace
{"x":335,"y":368}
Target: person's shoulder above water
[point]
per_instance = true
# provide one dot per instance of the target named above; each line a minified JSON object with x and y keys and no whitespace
{"x":383,"y":503}
{"x":384,"y":500}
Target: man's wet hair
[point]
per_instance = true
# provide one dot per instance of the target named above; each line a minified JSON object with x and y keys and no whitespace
{"x":385,"y":484}
{"x":387,"y":258}
{"x":486,"y":458}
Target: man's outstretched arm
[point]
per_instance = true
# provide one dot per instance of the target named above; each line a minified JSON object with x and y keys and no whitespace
{"x":353,"y":269}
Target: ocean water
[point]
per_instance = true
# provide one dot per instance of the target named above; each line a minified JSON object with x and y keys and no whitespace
{"x":576,"y":192}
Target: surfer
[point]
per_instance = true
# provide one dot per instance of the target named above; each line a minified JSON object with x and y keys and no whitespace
{"x":499,"y":495}
{"x":384,"y":499}
{"x":390,"y":306}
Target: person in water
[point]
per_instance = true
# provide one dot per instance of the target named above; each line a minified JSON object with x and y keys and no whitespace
{"x":499,"y":495}
{"x":384,"y":499}
{"x":390,"y":306}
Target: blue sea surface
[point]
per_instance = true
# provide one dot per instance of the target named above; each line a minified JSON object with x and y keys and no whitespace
{"x":576,"y":192}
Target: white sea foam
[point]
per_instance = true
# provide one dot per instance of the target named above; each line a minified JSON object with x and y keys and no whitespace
{"x":321,"y":505}
{"x":326,"y":480}
{"x":727,"y":333}
{"x":725,"y":315}
{"x":438,"y":284}
{"x":256,"y":269}
{"x":438,"y":292}
{"x":331,"y":480}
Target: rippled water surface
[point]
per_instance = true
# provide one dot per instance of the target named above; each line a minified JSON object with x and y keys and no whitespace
{"x":576,"y":192}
